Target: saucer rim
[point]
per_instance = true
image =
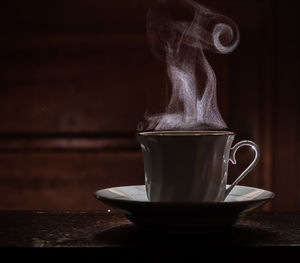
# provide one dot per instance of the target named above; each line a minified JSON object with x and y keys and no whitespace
{"x":102,"y":198}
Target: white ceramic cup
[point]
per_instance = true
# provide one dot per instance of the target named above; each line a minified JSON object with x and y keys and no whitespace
{"x":190,"y":166}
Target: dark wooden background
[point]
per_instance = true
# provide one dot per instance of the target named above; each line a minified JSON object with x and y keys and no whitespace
{"x":76,"y":77}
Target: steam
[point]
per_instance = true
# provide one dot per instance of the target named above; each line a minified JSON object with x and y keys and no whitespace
{"x":181,"y":42}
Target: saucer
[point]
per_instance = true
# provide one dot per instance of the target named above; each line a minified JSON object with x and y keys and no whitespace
{"x":183,"y":217}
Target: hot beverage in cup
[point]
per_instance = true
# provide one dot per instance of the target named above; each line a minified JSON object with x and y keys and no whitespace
{"x":183,"y":161}
{"x":190,"y":166}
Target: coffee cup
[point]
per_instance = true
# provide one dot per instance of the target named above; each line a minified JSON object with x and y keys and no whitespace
{"x":190,"y":166}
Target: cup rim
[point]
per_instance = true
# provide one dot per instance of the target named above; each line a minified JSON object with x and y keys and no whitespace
{"x":184,"y":133}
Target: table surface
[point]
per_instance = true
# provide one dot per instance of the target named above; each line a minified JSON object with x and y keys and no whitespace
{"x":111,"y":229}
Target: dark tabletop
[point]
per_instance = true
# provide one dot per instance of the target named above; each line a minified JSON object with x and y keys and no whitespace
{"x":110,"y":229}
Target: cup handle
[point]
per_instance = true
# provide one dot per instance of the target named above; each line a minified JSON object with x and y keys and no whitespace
{"x":233,"y":151}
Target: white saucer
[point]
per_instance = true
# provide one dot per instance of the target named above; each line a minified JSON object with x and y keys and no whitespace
{"x":178,"y":217}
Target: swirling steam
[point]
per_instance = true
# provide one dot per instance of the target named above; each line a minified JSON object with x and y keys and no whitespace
{"x":181,"y":42}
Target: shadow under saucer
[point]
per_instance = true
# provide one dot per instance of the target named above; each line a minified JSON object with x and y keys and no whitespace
{"x":131,"y":235}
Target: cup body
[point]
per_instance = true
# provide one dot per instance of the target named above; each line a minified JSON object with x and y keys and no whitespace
{"x":185,"y":166}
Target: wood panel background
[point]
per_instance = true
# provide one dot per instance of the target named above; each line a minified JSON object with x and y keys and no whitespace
{"x":77,"y":76}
